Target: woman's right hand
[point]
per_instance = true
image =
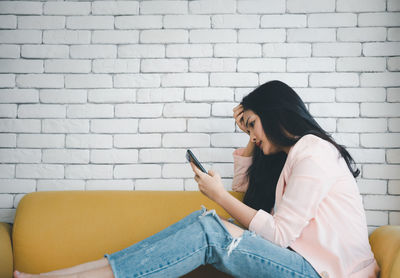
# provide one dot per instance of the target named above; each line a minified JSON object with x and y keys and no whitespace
{"x":238,"y":115}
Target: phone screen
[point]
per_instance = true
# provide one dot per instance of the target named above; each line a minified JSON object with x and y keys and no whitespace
{"x":191,"y":158}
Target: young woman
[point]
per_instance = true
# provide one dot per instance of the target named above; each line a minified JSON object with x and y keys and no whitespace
{"x":302,"y":210}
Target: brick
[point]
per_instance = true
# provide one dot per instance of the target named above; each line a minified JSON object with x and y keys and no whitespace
{"x":60,"y":185}
{"x":19,"y":96}
{"x":237,"y":50}
{"x":137,"y":171}
{"x":292,"y":79}
{"x":187,"y":110}
{"x":310,"y":64}
{"x":137,"y":80}
{"x":115,"y":8}
{"x":213,"y":36}
{"x":394,"y":218}
{"x":67,"y":66}
{"x":332,"y":20}
{"x":386,"y":79}
{"x":41,"y":111}
{"x":361,"y":64}
{"x":209,"y":94}
{"x":89,"y":141}
{"x":66,"y":37}
{"x":89,"y":171}
{"x":394,"y":64}
{"x":116,"y":66}
{"x":43,"y":141}
{"x":9,"y":51}
{"x":184,"y":80}
{"x":307,"y":6}
{"x":394,"y":187}
{"x":109,"y":185}
{"x":379,"y":19}
{"x":111,"y":96}
{"x":361,"y":34}
{"x":141,"y":51}
{"x":20,"y":7}
{"x":233,"y":79}
{"x":160,"y":95}
{"x":41,"y":22}
{"x":66,"y":156}
{"x":211,"y":125}
{"x":360,"y":94}
{"x":262,"y":65}
{"x":88,"y":81}
{"x":8,"y":110}
{"x":21,"y":66}
{"x":334,"y":109}
{"x":381,"y":49}
{"x":334,"y":80}
{"x":159,"y":184}
{"x":368,"y":155}
{"x":261,"y":7}
{"x":327,"y":124}
{"x":7,"y":81}
{"x":137,"y":140}
{"x":362,"y":125}
{"x":7,"y":215}
{"x":394,"y":125}
{"x":382,"y":202}
{"x":261,"y":35}
{"x":232,"y":140}
{"x":393,"y":94}
{"x":354,"y":6}
{"x":336,"y":49}
{"x":380,"y":109}
{"x":287,"y":50}
{"x":114,"y":126}
{"x":162,"y":155}
{"x":164,"y":36}
{"x":65,"y":126}
{"x":93,"y":51}
{"x":162,"y":125}
{"x":214,"y":154}
{"x":311,"y":35}
{"x":393,"y":5}
{"x":222,"y":109}
{"x":187,"y":21}
{"x":393,"y":156}
{"x":67,"y":8}
{"x":139,"y":22}
{"x":381,"y":140}
{"x":42,"y":171}
{"x":20,"y":155}
{"x":372,"y":186}
{"x":44,"y":51}
{"x":316,"y":94}
{"x":6,"y":201}
{"x":189,"y":50}
{"x":7,"y":171}
{"x":283,"y":21}
{"x":114,"y":156}
{"x":8,"y":22}
{"x":377,"y":218}
{"x":19,"y":125}
{"x":40,"y":81}
{"x":164,"y":65}
{"x":8,"y":141}
{"x":212,"y":65}
{"x":235,"y":21}
{"x":151,"y":110}
{"x":171,"y":170}
{"x":162,"y":7}
{"x":181,"y":140}
{"x":90,"y":111}
{"x":115,"y":37}
{"x":17,"y":186}
{"x":212,"y":7}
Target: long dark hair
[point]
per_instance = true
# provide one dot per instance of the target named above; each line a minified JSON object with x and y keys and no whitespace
{"x":280,"y":109}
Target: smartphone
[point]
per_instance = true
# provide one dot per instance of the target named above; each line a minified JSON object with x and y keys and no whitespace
{"x":191,"y":158}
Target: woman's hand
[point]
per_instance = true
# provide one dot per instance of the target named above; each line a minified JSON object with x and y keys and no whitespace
{"x":238,"y":115}
{"x":210,"y":185}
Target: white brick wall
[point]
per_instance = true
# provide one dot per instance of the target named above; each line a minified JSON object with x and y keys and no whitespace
{"x":110,"y":94}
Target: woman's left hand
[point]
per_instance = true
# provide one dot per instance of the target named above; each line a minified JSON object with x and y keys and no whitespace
{"x":210,"y":185}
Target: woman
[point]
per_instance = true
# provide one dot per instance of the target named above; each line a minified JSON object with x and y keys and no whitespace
{"x":302,"y":210}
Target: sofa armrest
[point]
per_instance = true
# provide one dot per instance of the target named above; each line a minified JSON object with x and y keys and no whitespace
{"x":385,"y":243}
{"x":6,"y":255}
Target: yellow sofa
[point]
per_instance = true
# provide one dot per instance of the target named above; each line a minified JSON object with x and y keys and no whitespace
{"x":54,"y":230}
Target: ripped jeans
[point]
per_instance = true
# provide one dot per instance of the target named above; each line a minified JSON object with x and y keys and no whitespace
{"x":202,"y":238}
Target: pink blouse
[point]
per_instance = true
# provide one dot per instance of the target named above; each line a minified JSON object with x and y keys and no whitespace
{"x":318,"y":210}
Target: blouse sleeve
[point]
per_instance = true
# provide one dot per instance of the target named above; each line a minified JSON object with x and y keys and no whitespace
{"x":308,"y":183}
{"x":241,"y":164}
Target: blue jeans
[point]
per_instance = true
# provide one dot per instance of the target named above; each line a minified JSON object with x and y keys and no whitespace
{"x":202,"y":238}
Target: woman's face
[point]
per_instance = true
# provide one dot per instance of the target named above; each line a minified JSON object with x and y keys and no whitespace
{"x":257,"y":134}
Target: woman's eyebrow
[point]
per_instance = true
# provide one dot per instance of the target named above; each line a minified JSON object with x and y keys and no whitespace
{"x":247,"y":121}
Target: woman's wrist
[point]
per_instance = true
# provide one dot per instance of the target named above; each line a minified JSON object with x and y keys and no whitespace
{"x":249,"y":150}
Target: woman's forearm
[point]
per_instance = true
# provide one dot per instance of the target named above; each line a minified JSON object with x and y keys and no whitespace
{"x":249,"y":149}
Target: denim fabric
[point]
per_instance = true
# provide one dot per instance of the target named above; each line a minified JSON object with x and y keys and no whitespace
{"x":202,"y":238}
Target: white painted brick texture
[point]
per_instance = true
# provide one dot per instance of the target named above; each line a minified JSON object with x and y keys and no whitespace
{"x":108,"y":95}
